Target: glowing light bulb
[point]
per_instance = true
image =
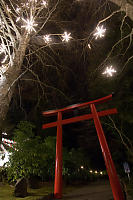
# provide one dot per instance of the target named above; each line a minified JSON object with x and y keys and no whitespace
{"x":82,"y":167}
{"x":96,"y":172}
{"x":90,"y":171}
{"x":99,"y":32}
{"x":29,"y":24}
{"x":66,"y":37}
{"x":109,"y":71}
{"x":47,"y":38}
{"x":101,"y":173}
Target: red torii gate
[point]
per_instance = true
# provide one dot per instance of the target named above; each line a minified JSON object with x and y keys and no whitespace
{"x":114,"y":180}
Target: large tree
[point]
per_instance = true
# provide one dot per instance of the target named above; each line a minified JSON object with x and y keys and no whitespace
{"x":17,"y":23}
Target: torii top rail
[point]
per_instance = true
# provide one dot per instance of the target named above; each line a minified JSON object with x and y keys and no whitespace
{"x":114,"y":181}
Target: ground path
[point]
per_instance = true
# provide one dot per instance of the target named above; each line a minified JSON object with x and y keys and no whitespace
{"x":95,"y":191}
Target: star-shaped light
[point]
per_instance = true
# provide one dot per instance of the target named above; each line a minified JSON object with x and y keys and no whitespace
{"x":99,"y":32}
{"x":47,"y":38}
{"x":29,"y":24}
{"x":109,"y":71}
{"x":66,"y":37}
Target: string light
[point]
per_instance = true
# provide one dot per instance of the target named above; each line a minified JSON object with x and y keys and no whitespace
{"x":47,"y":38}
{"x":109,"y":71}
{"x":99,"y":32}
{"x":29,"y":24}
{"x":66,"y":37}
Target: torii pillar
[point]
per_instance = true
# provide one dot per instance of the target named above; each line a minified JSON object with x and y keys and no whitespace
{"x":114,"y":180}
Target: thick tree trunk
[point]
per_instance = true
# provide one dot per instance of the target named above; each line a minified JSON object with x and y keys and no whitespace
{"x":126,"y":6}
{"x":7,"y":83}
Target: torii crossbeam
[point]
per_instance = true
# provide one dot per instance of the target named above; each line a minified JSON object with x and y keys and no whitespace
{"x":95,"y":115}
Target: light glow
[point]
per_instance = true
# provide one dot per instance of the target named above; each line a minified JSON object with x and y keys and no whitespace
{"x":109,"y":71}
{"x":100,"y":32}
{"x":29,"y":24}
{"x":89,"y":46}
{"x":66,"y":37}
{"x":18,"y":9}
{"x":4,"y":133}
{"x":47,"y":38}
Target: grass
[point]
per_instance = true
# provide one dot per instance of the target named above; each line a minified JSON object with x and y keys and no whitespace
{"x":6,"y":192}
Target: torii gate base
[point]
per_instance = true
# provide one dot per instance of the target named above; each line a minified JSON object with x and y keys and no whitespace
{"x":114,"y":180}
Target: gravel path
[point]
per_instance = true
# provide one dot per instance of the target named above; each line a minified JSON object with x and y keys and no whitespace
{"x":96,"y":191}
